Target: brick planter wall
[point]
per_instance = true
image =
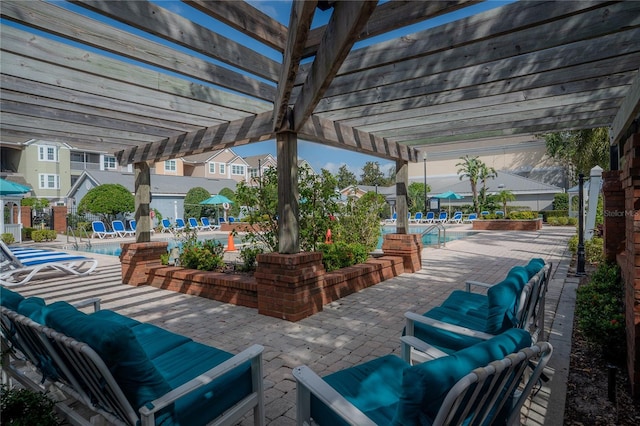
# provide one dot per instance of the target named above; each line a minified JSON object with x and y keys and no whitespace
{"x":507,"y":225}
{"x":290,"y":287}
{"x":137,"y":258}
{"x":407,"y":246}
{"x":60,"y":219}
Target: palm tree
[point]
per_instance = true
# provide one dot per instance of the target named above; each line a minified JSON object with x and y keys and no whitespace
{"x":485,"y":173}
{"x":505,"y":196}
{"x":470,"y":167}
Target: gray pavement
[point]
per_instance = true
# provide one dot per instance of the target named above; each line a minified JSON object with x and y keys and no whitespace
{"x":354,"y":329}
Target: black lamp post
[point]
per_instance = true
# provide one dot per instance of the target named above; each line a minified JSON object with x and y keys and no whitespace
{"x":581,"y":254}
{"x":425,"y":183}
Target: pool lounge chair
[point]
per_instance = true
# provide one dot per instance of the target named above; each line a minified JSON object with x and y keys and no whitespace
{"x":193,"y":223}
{"x":100,"y":230}
{"x":166,"y":226}
{"x":133,"y":225}
{"x":20,"y":265}
{"x":392,"y":219}
{"x":471,"y":218}
{"x":456,"y":218}
{"x":442,"y":217}
{"x":179,"y":225}
{"x":429,"y":218}
{"x":417,"y":218}
{"x":477,"y":385}
{"x":120,"y":230}
{"x":207,"y":225}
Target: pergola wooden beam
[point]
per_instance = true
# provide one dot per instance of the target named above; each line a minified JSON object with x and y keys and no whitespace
{"x":239,"y":132}
{"x":347,"y":20}
{"x":328,"y":132}
{"x":628,"y":112}
{"x":172,"y":27}
{"x":299,"y":24}
{"x":245,"y":18}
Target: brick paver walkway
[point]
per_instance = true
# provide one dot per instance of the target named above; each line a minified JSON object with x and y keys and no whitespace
{"x":349,"y":331}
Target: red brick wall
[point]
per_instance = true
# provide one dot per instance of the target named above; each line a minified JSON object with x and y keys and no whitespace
{"x":26,"y":216}
{"x":407,"y":246}
{"x":627,"y":238}
{"x":136,"y":258}
{"x":59,"y":218}
{"x":507,"y":225}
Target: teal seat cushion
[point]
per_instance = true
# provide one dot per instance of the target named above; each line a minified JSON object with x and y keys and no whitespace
{"x":503,"y":300}
{"x":374,"y":387}
{"x":10,"y":299}
{"x":424,"y":386}
{"x":191,"y":359}
{"x":32,"y":307}
{"x":446,"y":340}
{"x":153,"y":340}
{"x":465,"y":301}
{"x":521,"y":275}
{"x":116,"y":344}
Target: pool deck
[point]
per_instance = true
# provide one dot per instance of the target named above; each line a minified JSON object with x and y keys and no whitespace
{"x":356,"y":328}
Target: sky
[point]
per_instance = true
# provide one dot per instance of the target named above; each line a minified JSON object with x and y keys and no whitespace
{"x":319,"y":156}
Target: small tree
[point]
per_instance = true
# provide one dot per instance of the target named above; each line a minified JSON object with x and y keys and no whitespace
{"x":358,"y":221}
{"x":192,"y":206}
{"x":469,"y":167}
{"x":372,"y":175}
{"x":416,"y":193}
{"x":108,"y":201}
{"x":35,"y":203}
{"x":345,"y":177}
{"x":504,"y":197}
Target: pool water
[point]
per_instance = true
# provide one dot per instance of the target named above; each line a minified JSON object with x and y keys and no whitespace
{"x":114,"y":249}
{"x":427,"y":239}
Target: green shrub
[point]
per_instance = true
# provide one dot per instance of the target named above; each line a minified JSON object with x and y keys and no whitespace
{"x":593,"y":248}
{"x":552,"y":220}
{"x":573,"y":221}
{"x":249,"y":255}
{"x":561,"y":201}
{"x":44,"y":235}
{"x":340,"y":255}
{"x":546,"y":214}
{"x":203,"y":255}
{"x":600,"y":312}
{"x":7,"y":238}
{"x":523,"y":215}
{"x":563,"y":220}
{"x":22,"y":407}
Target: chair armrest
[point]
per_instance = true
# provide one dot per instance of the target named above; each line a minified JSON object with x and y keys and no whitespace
{"x":309,"y":383}
{"x":95,"y":301}
{"x":412,"y":318}
{"x":252,"y":353}
{"x":477,"y":283}
{"x":426,"y":351}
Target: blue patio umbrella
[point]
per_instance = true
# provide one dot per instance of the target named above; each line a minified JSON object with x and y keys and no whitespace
{"x":449,"y":195}
{"x":10,"y":188}
{"x":216,"y":199}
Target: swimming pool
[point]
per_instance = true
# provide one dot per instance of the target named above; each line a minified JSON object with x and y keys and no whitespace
{"x":430,"y":238}
{"x":112,"y":248}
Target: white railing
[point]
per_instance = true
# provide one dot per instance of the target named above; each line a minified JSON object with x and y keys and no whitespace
{"x":14,"y":229}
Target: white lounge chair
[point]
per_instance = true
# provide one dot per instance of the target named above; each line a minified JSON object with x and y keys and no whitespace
{"x":133,"y":225}
{"x":180,"y":225}
{"x":166,"y":226}
{"x":101,"y":231}
{"x":121,"y":230}
{"x":429,"y":218}
{"x":207,"y":225}
{"x":19,"y":265}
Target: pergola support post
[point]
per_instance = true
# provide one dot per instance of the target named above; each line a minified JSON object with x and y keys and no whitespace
{"x":142,"y":201}
{"x":288,"y":215}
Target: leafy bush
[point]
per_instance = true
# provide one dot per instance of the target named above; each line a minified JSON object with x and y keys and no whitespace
{"x":546,"y":214}
{"x":572,"y":221}
{"x":593,"y":248}
{"x":523,"y":215}
{"x":7,"y":238}
{"x":192,"y":207}
{"x":600,"y":312}
{"x":248,"y":254}
{"x":340,"y":255}
{"x":107,"y":201}
{"x":44,"y":235}
{"x":203,"y":255}
{"x":22,"y":407}
{"x":561,"y":201}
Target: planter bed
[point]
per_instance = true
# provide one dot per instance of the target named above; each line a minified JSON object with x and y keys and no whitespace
{"x":507,"y":225}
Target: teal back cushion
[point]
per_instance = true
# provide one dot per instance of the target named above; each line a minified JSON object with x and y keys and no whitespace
{"x":32,"y":307}
{"x":503,"y":299}
{"x":10,"y":299}
{"x":521,"y":275}
{"x":424,"y":386}
{"x":118,"y":348}
{"x":534,"y":266}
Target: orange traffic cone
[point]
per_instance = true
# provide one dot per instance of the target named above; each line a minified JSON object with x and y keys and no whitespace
{"x":230,"y":245}
{"x":327,"y":239}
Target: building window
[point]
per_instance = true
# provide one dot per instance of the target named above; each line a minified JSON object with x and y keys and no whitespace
{"x":253,"y":172}
{"x":47,"y":153}
{"x":49,"y":181}
{"x":170,"y":166}
{"x":212,"y":167}
{"x":109,"y":163}
{"x":221,"y":167}
{"x":237,"y":169}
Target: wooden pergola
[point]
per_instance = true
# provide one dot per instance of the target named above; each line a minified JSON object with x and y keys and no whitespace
{"x":523,"y":68}
{"x":150,"y":83}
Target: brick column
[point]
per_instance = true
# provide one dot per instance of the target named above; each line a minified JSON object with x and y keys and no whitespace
{"x":629,"y":260}
{"x":407,"y":246}
{"x":613,"y":210}
{"x":290,"y":285}
{"x":26,"y":216}
{"x":136,"y":258}
{"x":59,"y":218}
